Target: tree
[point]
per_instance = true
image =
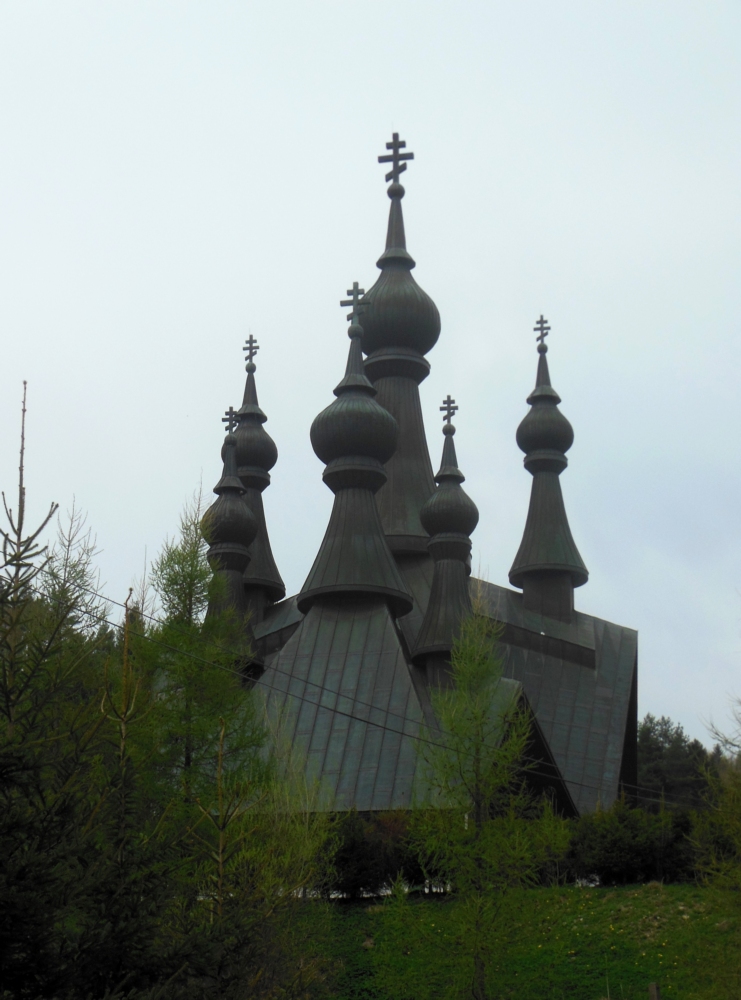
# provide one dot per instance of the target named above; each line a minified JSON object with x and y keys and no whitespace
{"x":197,"y":662}
{"x":58,"y":907}
{"x":252,"y":842}
{"x":153,"y":842}
{"x":471,"y":830}
{"x":671,"y":765}
{"x":718,"y":830}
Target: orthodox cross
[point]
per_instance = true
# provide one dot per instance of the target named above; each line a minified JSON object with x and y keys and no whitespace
{"x":448,"y":409}
{"x":230,"y":419}
{"x":251,"y":347}
{"x":542,"y":329}
{"x":395,"y":157}
{"x":353,"y":301}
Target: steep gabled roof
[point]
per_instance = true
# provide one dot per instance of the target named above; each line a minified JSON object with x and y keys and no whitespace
{"x":580,"y":681}
{"x":346,"y":700}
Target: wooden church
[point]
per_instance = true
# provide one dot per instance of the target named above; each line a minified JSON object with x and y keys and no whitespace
{"x":351,"y":660}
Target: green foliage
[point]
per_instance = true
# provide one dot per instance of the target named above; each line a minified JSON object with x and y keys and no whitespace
{"x":181,"y":575}
{"x":623,"y":845}
{"x":672,"y":766}
{"x":717,"y":834}
{"x":372,"y":852}
{"x":471,"y":832}
{"x":560,"y":943}
{"x":151,"y":843}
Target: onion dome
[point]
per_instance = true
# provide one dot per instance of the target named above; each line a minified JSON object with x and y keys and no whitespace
{"x":355,"y":424}
{"x":397,"y":313}
{"x":256,"y":451}
{"x":544,"y":427}
{"x":229,"y":525}
{"x":354,"y":436}
{"x":449,"y":509}
{"x":400,"y":325}
{"x":548,"y":565}
{"x":449,"y":516}
{"x":256,"y":454}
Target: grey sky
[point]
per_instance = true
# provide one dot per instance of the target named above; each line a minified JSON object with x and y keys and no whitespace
{"x":173,"y":175}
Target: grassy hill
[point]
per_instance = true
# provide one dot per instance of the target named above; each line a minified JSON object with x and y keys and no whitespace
{"x":580,"y":944}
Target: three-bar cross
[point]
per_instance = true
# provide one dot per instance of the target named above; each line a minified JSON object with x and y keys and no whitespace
{"x":251,"y":347}
{"x":395,"y":157}
{"x":448,"y":409}
{"x":542,"y":329}
{"x":230,"y":419}
{"x":353,"y":301}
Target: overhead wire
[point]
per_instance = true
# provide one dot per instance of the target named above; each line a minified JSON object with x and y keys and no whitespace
{"x":635,"y":789}
{"x":322,"y":688}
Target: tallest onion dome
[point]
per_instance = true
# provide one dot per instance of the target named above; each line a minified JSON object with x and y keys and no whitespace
{"x":397,"y":313}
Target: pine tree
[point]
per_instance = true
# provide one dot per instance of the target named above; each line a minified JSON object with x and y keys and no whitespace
{"x":470,"y":828}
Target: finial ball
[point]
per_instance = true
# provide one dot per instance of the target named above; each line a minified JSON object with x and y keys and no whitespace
{"x":448,"y":429}
{"x":354,"y":330}
{"x":542,"y":348}
{"x":250,"y":367}
{"x":396,"y":190}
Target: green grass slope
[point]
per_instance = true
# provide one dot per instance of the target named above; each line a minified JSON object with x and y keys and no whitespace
{"x":580,"y":944}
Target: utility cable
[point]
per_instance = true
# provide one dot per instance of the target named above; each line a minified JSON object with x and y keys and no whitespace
{"x":323,"y":688}
{"x":317,"y":704}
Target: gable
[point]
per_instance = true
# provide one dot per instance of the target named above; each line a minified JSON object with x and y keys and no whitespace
{"x":578,"y":679}
{"x":342,"y":690}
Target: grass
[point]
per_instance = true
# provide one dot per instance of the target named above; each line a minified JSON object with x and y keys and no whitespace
{"x":580,"y":944}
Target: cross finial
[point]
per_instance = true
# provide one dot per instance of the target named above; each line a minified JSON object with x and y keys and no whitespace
{"x":355,"y":293}
{"x":230,"y":419}
{"x":251,"y":347}
{"x":395,"y":157}
{"x":542,"y":329}
{"x":448,"y":409}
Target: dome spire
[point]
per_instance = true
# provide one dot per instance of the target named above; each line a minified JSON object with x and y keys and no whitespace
{"x":396,"y":243}
{"x":256,"y":455}
{"x":354,"y":436}
{"x":400,"y":325}
{"x":548,"y":566}
{"x":229,"y":527}
{"x":450,"y":516}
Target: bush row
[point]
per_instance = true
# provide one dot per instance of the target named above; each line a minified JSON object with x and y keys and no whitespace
{"x":620,"y":845}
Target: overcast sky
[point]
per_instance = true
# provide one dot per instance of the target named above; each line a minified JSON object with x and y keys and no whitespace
{"x":175,"y":175}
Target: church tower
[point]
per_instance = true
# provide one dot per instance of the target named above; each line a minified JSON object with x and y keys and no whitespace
{"x":547,"y":566}
{"x":256,"y":455}
{"x":401,"y":325}
{"x":349,"y":666}
{"x":449,"y":517}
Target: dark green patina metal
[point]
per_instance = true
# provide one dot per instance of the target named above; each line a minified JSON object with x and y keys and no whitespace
{"x":449,"y":516}
{"x":348,"y":666}
{"x":256,"y":456}
{"x":547,"y":566}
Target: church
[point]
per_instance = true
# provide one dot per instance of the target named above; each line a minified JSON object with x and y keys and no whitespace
{"x":351,"y":660}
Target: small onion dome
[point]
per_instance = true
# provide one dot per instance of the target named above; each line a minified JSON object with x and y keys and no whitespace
{"x":355,"y":424}
{"x":449,"y":509}
{"x":548,"y":565}
{"x":544,"y":426}
{"x":255,"y":448}
{"x":396,"y":311}
{"x":544,"y":430}
{"x":354,"y":437}
{"x":229,"y":526}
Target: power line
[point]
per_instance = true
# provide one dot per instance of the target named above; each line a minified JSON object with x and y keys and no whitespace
{"x":317,"y":704}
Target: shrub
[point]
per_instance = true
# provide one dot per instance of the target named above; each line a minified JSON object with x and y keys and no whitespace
{"x":372,"y":852}
{"x":624,"y":845}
